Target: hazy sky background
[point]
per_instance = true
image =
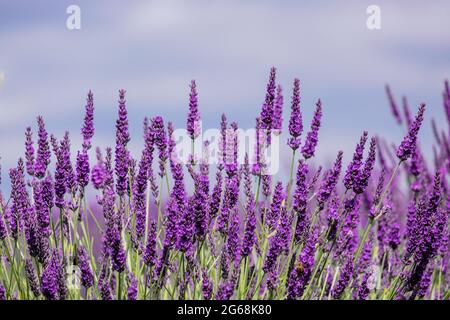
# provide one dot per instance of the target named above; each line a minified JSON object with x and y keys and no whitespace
{"x":154,"y":48}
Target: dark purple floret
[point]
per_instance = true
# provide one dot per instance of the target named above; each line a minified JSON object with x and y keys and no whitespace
{"x":300,"y":199}
{"x":82,"y":170}
{"x":29,"y":152}
{"x":344,"y":278}
{"x":132,"y":290}
{"x":2,"y":292}
{"x":216,"y":196}
{"x":139,"y":195}
{"x":49,"y":279}
{"x":233,"y":241}
{"x":355,"y":165}
{"x":3,"y":229}
{"x":98,"y":175}
{"x":43,"y":151}
{"x":87,"y":277}
{"x":408,"y":145}
{"x":225,"y":291}
{"x":193,"y":119}
{"x":312,"y":137}
{"x":301,"y":272}
{"x":150,"y":255}
{"x":330,"y":181}
{"x":207,"y":286}
{"x":122,"y":139}
{"x":278,"y":110}
{"x":32,"y":232}
{"x":273,"y":214}
{"x":200,"y":205}
{"x":60,"y":179}
{"x":160,"y":140}
{"x":295,"y":122}
{"x":362,"y":179}
{"x":88,"y":126}
{"x":230,"y":200}
{"x":19,"y":198}
{"x":32,"y":279}
{"x":70,"y":178}
{"x":267,"y":112}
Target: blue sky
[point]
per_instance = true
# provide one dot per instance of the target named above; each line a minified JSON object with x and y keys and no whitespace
{"x":154,"y":48}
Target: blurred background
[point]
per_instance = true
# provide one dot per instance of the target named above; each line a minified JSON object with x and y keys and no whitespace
{"x":154,"y":48}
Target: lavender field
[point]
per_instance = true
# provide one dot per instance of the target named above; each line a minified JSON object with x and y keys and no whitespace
{"x":103,"y":223}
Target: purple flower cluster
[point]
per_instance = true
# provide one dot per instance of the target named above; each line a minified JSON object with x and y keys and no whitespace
{"x":246,"y":234}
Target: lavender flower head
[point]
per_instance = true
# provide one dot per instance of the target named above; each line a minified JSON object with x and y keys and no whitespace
{"x":362,"y":179}
{"x":87,"y":277}
{"x":29,"y":151}
{"x":267,"y":112}
{"x":88,"y":126}
{"x":122,"y":139}
{"x":312,"y":137}
{"x":330,"y":181}
{"x":354,"y":166}
{"x":295,"y":122}
{"x":193,"y":120}
{"x":43,"y":152}
{"x":408,"y":144}
{"x":278,"y":111}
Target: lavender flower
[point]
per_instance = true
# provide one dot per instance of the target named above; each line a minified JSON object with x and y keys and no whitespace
{"x":49,"y":279}
{"x":355,"y":165}
{"x":32,"y":279}
{"x":98,"y":172}
{"x":88,"y":126}
{"x":408,"y":144}
{"x":267,"y":112}
{"x":132,"y":290}
{"x":150,"y":254}
{"x":295,"y":122}
{"x":330,"y":181}
{"x":300,"y":199}
{"x":312,"y":136}
{"x":160,"y":140}
{"x":207,"y":286}
{"x":82,"y":171}
{"x":362,"y":179}
{"x":273,"y":214}
{"x":43,"y":151}
{"x":19,"y":196}
{"x":2,"y":292}
{"x":122,"y":139}
{"x":87,"y":277}
{"x":216,"y":196}
{"x":301,"y":273}
{"x":193,"y":120}
{"x":29,"y":151}
{"x":277,"y":121}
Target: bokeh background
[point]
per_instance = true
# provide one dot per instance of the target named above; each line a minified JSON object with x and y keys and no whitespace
{"x":154,"y":48}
